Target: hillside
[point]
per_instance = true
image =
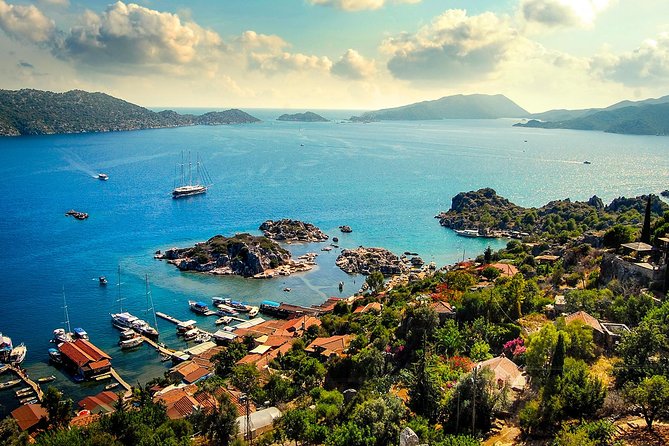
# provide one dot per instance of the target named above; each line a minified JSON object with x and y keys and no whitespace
{"x":475,"y":106}
{"x":302,"y":117}
{"x":651,"y":119}
{"x":564,"y":115}
{"x":36,"y":112}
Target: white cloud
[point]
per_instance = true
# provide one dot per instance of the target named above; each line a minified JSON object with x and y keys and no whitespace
{"x":26,"y":23}
{"x":129,"y":34}
{"x":645,"y":66}
{"x":358,"y":5}
{"x":353,"y":65}
{"x":560,"y":13}
{"x":62,"y":3}
{"x":454,"y":47}
{"x":277,"y":63}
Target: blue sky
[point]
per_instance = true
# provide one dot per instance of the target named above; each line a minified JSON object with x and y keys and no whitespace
{"x":361,"y":54}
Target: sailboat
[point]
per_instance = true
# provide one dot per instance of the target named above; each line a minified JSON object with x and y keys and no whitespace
{"x":59,"y":334}
{"x":188,"y":185}
{"x":145,"y":328}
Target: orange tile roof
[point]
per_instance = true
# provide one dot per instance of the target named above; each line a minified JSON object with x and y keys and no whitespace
{"x":91,"y":350}
{"x":441,"y":306}
{"x":506,"y":371}
{"x":102,"y":402}
{"x":506,"y":268}
{"x":372,"y":306}
{"x":278,"y":341}
{"x":84,"y":420}
{"x":28,"y":415}
{"x":82,"y":352}
{"x":328,"y":346}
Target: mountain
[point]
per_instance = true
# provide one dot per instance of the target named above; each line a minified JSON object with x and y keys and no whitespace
{"x":475,"y":106}
{"x":565,"y":115}
{"x":36,"y":112}
{"x":649,"y":119}
{"x":302,"y":117}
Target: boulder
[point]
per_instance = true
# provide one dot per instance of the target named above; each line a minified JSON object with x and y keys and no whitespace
{"x":408,"y":437}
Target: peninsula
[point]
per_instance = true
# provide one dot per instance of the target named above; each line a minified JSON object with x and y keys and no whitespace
{"x":475,"y":106}
{"x":37,"y":112}
{"x":302,"y":117}
{"x":292,"y":230}
{"x":243,"y":255}
{"x":488,"y":212}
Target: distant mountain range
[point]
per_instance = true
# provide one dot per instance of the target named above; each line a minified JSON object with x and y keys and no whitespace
{"x":647,"y":117}
{"x":475,"y":106}
{"x":302,"y":117}
{"x":36,"y":112}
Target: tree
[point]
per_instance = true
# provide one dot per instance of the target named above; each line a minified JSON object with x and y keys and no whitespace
{"x":10,"y":433}
{"x":220,"y":424}
{"x":645,"y":231}
{"x":618,"y":235}
{"x":246,"y":377}
{"x":227,"y":359}
{"x":59,"y":410}
{"x":557,"y":362}
{"x":375,"y":281}
{"x":472,"y":402}
{"x":651,"y":395}
{"x":295,"y":423}
{"x":491,"y":273}
{"x":540,"y":348}
{"x":487,"y":256}
{"x":383,"y":416}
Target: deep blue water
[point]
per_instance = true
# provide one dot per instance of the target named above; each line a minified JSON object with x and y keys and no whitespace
{"x":386,"y":180}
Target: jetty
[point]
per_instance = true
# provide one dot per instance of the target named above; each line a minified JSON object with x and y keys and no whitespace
{"x":176,"y":321}
{"x":26,"y":379}
{"x":159,"y":348}
{"x":120,"y":380}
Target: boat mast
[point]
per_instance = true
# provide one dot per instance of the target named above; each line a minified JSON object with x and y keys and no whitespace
{"x":149,"y":302}
{"x":120,"y":299}
{"x":67,"y":316}
{"x":183,"y":172}
{"x":190,"y":170}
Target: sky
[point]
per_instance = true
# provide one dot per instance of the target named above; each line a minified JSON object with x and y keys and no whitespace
{"x":339,"y":54}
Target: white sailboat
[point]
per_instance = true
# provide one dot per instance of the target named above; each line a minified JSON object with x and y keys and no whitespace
{"x":188,"y":185}
{"x":59,"y":334}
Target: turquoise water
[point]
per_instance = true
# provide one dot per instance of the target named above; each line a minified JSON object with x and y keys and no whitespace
{"x":386,"y":180}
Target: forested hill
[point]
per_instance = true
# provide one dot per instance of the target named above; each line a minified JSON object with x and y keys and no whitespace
{"x":36,"y":112}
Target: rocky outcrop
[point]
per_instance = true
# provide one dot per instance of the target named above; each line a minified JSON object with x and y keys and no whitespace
{"x":366,"y":260}
{"x":244,"y":255}
{"x":292,"y":230}
{"x":302,"y":117}
{"x":345,"y":229}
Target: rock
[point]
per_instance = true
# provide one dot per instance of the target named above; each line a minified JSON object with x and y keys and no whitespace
{"x":596,"y":202}
{"x":243,"y":254}
{"x":292,"y":230}
{"x":366,"y":260}
{"x":302,"y":117}
{"x":335,"y":239}
{"x":408,"y":437}
{"x":345,"y":229}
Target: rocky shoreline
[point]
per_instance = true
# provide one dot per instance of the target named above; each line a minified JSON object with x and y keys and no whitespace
{"x":242,"y":255}
{"x":292,"y":231}
{"x":367,"y":260}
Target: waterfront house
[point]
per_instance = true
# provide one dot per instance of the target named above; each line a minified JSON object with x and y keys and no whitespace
{"x":103,"y":402}
{"x":189,"y":372}
{"x":85,"y":358}
{"x":30,"y":417}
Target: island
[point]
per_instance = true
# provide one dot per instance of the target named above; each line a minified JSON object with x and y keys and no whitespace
{"x":489,"y":214}
{"x":292,"y":230}
{"x":242,"y":254}
{"x":302,"y":117}
{"x":37,"y":112}
{"x":367,"y":260}
{"x":474,"y":106}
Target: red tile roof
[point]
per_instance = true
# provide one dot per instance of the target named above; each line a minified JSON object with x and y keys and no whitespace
{"x":82,"y":352}
{"x":28,"y":415}
{"x":584,"y":317}
{"x":102,"y":402}
{"x":372,"y":306}
{"x":442,"y":307}
{"x":328,"y":346}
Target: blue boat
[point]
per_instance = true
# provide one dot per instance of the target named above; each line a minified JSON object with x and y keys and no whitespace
{"x":80,"y":333}
{"x":198,"y":307}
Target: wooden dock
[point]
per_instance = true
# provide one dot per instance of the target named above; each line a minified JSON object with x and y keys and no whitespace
{"x":24,"y":377}
{"x":162,"y":350}
{"x":176,"y":321}
{"x":120,"y":380}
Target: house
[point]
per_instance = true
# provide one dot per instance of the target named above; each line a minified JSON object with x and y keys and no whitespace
{"x":585,"y":318}
{"x":506,"y":373}
{"x":179,"y":402}
{"x":189,"y":372}
{"x":506,"y":269}
{"x":30,"y":417}
{"x":546,"y":258}
{"x":334,"y":345}
{"x":613,"y":333}
{"x":444,"y":310}
{"x":103,"y":402}
{"x":372,"y":306}
{"x":260,"y":422}
{"x":85,"y":358}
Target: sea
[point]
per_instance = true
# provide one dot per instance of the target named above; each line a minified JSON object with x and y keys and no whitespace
{"x":387,"y":180}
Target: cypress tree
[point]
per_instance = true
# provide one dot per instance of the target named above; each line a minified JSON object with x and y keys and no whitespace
{"x":557,"y":363}
{"x":645,"y":231}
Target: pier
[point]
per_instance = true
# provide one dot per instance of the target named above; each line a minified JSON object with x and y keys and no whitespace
{"x":120,"y":380}
{"x":162,"y":350}
{"x":176,"y":321}
{"x":24,"y":377}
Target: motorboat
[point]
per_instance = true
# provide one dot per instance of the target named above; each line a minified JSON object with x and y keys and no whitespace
{"x":240,"y":306}
{"x":28,"y":399}
{"x":8,"y":384}
{"x":111,"y":386}
{"x":128,"y":334}
{"x":191,"y":334}
{"x":467,"y":232}
{"x":123,"y":320}
{"x":103,"y":280}
{"x":18,"y":354}
{"x":46,"y":379}
{"x":103,"y":176}
{"x":226,"y":310}
{"x":185,"y":326}
{"x":131,"y":343}
{"x":253,"y":311}
{"x":223,"y":320}
{"x":55,"y":356}
{"x":60,"y":336}
{"x":143,"y":328}
{"x":203,"y":337}
{"x":21,"y":393}
{"x":198,"y":307}
{"x":80,"y":333}
{"x":220,"y":300}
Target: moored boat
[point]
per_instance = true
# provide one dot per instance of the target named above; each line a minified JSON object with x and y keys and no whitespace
{"x":239,"y":306}
{"x":123,"y":320}
{"x":80,"y":333}
{"x":23,"y":392}
{"x":467,"y":232}
{"x":46,"y":379}
{"x":191,"y":334}
{"x":8,"y":384}
{"x":253,"y":311}
{"x":226,"y":310}
{"x":60,"y":336}
{"x":55,"y":356}
{"x":223,"y":320}
{"x":18,"y":354}
{"x":128,"y":334}
{"x":111,"y":386}
{"x":131,"y":343}
{"x":27,"y":399}
{"x":3,"y":368}
{"x":103,"y":176}
{"x":185,"y":326}
{"x":143,"y":328}
{"x":198,"y":307}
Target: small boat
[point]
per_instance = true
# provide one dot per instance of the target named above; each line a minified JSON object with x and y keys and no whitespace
{"x":341,"y":286}
{"x":198,"y":307}
{"x":46,"y":379}
{"x":128,"y":334}
{"x":28,"y":399}
{"x":253,"y":311}
{"x":78,"y":378}
{"x":103,"y":377}
{"x":80,"y":333}
{"x":131,"y":343}
{"x":55,"y":356}
{"x":23,"y":392}
{"x":143,"y":328}
{"x":287,"y":290}
{"x":165,"y":358}
{"x":103,"y":280}
{"x":239,"y":306}
{"x":18,"y":354}
{"x":203,"y":337}
{"x":587,"y":162}
{"x":467,"y":232}
{"x":103,"y":176}
{"x":223,"y":320}
{"x":326,"y":248}
{"x":76,"y":214}
{"x":185,"y":326}
{"x":60,"y":336}
{"x":226,"y":310}
{"x":220,"y":300}
{"x":8,"y":384}
{"x":191,"y":334}
{"x":3,"y":368}
{"x":111,"y":386}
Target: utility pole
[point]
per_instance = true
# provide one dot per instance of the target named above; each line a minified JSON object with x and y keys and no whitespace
{"x":474,"y":400}
{"x":249,"y":432}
